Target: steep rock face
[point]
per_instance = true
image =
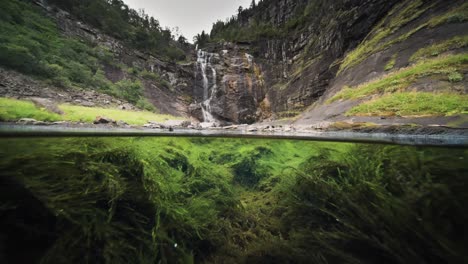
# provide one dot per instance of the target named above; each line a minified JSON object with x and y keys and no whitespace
{"x":308,"y":50}
{"x":298,"y":65}
{"x":303,"y":63}
{"x":229,"y":85}
{"x":398,"y":42}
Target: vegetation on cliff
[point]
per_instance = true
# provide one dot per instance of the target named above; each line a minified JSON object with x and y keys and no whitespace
{"x":391,"y":95}
{"x":438,"y":68}
{"x":387,"y":32}
{"x":31,"y":43}
{"x":137,"y":29}
{"x":210,"y":200}
{"x":249,"y":24}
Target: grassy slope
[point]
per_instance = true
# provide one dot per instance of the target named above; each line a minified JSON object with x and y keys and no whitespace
{"x":254,"y":201}
{"x":390,"y":95}
{"x":31,"y":43}
{"x":385,"y":34}
{"x":414,"y":104}
{"x":391,"y":89}
{"x":13,"y":110}
{"x":440,"y":67}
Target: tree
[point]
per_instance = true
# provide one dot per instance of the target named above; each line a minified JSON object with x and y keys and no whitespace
{"x":201,"y":39}
{"x":182,"y":40}
{"x":253,"y":5}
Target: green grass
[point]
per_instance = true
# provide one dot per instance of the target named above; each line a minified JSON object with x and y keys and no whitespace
{"x":457,"y":42}
{"x":403,"y":78}
{"x":455,"y":77}
{"x":12,"y":110}
{"x":89,"y":114}
{"x":414,"y":9}
{"x":413,"y":104}
{"x":456,"y":15}
{"x":391,"y":63}
{"x":372,"y":43}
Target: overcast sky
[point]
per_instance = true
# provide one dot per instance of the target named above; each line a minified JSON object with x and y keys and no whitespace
{"x":191,"y":16}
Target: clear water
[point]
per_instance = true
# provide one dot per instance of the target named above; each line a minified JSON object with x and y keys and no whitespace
{"x":200,"y":200}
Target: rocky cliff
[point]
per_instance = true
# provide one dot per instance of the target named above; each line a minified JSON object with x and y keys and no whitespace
{"x":307,"y":51}
{"x":229,"y":85}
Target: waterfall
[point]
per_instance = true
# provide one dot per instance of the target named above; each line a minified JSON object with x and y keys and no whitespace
{"x":209,"y":93}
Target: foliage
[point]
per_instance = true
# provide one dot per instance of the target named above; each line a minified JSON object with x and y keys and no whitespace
{"x":456,"y":15}
{"x":144,"y":104}
{"x":391,"y":63}
{"x":403,"y":78}
{"x":201,"y":39}
{"x":391,"y":24}
{"x":249,"y":25}
{"x":413,"y":104}
{"x":385,"y":34}
{"x":457,"y":42}
{"x":455,"y":77}
{"x":31,"y":43}
{"x":130,"y":90}
{"x":378,"y":205}
{"x":166,"y":200}
{"x":12,"y":110}
{"x":116,"y":19}
{"x":157,"y":78}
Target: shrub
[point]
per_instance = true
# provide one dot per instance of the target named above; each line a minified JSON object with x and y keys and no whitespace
{"x":144,"y":104}
{"x":129,"y":90}
{"x":455,"y":77}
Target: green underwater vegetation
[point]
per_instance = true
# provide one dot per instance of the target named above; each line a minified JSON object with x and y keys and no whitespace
{"x":200,"y":200}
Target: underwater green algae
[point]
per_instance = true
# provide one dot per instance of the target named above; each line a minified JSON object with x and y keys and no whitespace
{"x":180,"y":200}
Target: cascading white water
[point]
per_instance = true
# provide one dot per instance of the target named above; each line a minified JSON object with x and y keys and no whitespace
{"x":204,"y":63}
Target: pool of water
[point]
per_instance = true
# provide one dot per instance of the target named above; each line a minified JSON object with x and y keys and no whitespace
{"x":230,"y":200}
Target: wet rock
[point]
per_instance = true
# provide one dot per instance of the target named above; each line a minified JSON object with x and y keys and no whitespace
{"x":233,"y":83}
{"x":103,"y":120}
{"x":126,"y":107}
{"x":154,"y":125}
{"x":185,"y":124}
{"x":87,"y":104}
{"x":122,"y":123}
{"x":60,"y":123}
{"x":27,"y":121}
{"x":195,"y":111}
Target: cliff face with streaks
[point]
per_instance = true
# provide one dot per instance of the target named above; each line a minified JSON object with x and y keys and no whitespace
{"x":305,"y":52}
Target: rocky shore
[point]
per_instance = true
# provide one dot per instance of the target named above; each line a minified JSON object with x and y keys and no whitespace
{"x":267,"y":128}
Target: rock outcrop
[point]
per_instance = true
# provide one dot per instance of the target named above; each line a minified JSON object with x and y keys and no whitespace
{"x":229,"y":85}
{"x":313,"y":49}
